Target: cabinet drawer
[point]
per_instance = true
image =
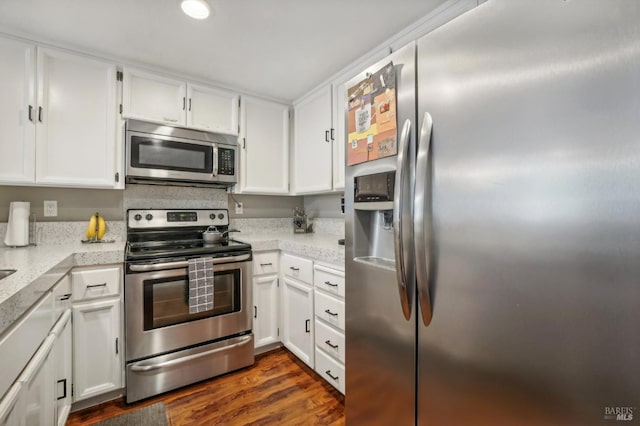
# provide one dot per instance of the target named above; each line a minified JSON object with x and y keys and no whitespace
{"x":265,"y":263}
{"x":330,"y":340}
{"x":329,"y":280}
{"x":297,"y":267}
{"x":330,"y":369}
{"x":95,"y":283}
{"x":330,"y":309}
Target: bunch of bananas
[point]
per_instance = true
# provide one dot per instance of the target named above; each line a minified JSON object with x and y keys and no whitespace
{"x":97,"y":227}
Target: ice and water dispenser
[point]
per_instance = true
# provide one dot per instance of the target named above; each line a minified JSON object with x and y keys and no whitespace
{"x":373,"y":219}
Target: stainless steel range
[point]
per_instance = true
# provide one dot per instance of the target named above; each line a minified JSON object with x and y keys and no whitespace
{"x":167,"y":346}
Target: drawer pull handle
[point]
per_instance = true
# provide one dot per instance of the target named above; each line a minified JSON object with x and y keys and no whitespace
{"x":331,"y":313}
{"x":97,"y":285}
{"x":307,"y":326}
{"x":329,"y":283}
{"x":294,"y":268}
{"x":328,"y":343}
{"x":65,"y":296}
{"x":328,"y":373}
{"x":266,"y":264}
{"x":255,"y":312}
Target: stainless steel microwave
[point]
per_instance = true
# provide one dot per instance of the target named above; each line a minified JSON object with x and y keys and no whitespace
{"x":158,"y":154}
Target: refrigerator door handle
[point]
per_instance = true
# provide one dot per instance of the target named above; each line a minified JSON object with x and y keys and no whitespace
{"x":422,"y":219}
{"x":402,"y":170}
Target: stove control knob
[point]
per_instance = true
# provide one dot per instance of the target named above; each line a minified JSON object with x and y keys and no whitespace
{"x":212,"y":216}
{"x":221,"y":216}
{"x":138,"y":216}
{"x":149,"y":216}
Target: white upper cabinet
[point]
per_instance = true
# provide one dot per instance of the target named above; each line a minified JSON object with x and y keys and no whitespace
{"x":312,"y":143}
{"x":57,"y":118}
{"x":211,"y":109}
{"x":76,"y":120}
{"x":17,"y":108}
{"x":264,"y":147}
{"x":320,"y":132}
{"x":339,"y":134}
{"x":164,"y":100}
{"x":151,"y":97}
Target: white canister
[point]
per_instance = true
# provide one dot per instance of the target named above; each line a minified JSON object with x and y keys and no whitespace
{"x":18,"y":226}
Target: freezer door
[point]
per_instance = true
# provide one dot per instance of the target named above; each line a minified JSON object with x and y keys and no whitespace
{"x":379,"y":292}
{"x":535,"y":159}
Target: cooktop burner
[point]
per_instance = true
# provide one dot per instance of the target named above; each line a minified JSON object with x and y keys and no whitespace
{"x":153,"y":234}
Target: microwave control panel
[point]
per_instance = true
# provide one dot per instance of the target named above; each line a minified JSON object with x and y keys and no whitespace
{"x":226,"y":161}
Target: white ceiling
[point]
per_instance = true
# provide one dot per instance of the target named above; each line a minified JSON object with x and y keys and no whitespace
{"x":277,"y":48}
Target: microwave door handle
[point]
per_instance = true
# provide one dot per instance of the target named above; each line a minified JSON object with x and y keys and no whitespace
{"x":399,"y":204}
{"x":215,"y":160}
{"x":422,"y":220}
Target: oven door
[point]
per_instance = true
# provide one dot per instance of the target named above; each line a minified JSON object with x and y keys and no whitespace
{"x":157,"y":317}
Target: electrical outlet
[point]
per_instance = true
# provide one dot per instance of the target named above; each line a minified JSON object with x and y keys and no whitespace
{"x":50,"y":208}
{"x":239,"y":208}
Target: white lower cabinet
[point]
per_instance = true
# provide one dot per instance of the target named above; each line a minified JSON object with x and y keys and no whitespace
{"x":63,"y":368}
{"x":297,"y":319}
{"x":37,"y":392}
{"x":97,"y":349}
{"x":330,"y":325}
{"x":265,"y":310}
{"x":266,"y":299}
{"x":56,"y":349}
{"x":11,"y":411}
{"x":330,"y":369}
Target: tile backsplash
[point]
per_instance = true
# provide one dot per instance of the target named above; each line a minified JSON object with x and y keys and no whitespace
{"x":166,"y":197}
{"x":51,"y":233}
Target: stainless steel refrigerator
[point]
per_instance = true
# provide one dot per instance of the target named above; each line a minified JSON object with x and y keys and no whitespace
{"x":499,"y":282}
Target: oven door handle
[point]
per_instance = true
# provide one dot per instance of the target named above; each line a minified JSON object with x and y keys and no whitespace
{"x":184,"y":263}
{"x":143,"y":368}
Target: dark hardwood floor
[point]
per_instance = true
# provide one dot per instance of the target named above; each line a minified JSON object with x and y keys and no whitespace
{"x":278,"y":389}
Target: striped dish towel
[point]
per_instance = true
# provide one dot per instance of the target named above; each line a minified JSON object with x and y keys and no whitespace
{"x":200,"y":284}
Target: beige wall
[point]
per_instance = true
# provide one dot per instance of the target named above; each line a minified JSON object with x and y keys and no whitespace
{"x":80,"y":204}
{"x":327,"y":206}
{"x":73,"y":204}
{"x":264,"y":206}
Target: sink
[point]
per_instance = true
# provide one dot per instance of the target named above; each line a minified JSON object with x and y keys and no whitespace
{"x":4,"y":273}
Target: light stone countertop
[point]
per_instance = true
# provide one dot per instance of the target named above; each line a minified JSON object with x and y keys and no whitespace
{"x":38,"y":268}
{"x":321,"y":247}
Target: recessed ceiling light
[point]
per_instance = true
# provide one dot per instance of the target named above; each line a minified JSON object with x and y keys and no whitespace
{"x":197,"y":9}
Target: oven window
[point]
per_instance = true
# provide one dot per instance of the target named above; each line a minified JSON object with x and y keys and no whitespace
{"x":166,"y":301}
{"x":150,"y":153}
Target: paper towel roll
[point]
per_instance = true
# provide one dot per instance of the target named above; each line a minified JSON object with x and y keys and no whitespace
{"x":18,"y":226}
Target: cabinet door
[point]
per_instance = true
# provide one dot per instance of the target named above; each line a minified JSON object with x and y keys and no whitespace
{"x":264,"y":155}
{"x":18,"y":100}
{"x":76,"y":121}
{"x":297,"y":319}
{"x":312,"y":143}
{"x":37,"y":386}
{"x":339,"y":134}
{"x":97,"y":362}
{"x":212,"y":110}
{"x":151,"y":97}
{"x":63,"y":366}
{"x":11,"y":407}
{"x":265,"y":310}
